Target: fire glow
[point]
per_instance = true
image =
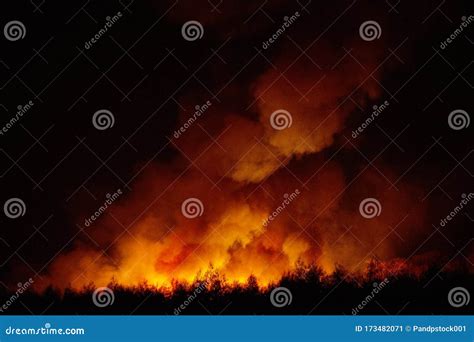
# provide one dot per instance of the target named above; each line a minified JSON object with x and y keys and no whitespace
{"x":240,"y":177}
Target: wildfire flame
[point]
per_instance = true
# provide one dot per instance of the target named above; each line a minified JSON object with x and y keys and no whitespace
{"x":240,"y":178}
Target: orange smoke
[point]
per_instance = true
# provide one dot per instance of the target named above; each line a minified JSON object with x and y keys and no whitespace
{"x":242,"y":176}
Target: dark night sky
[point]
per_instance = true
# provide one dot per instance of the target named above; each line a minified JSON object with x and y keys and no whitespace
{"x":144,"y":72}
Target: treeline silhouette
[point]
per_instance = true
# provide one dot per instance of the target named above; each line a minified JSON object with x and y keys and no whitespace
{"x":312,"y":292}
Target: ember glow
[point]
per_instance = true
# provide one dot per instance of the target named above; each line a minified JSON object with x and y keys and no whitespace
{"x":241,"y":179}
{"x":236,"y":166}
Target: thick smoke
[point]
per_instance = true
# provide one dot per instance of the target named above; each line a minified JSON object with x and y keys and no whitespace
{"x":249,"y":170}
